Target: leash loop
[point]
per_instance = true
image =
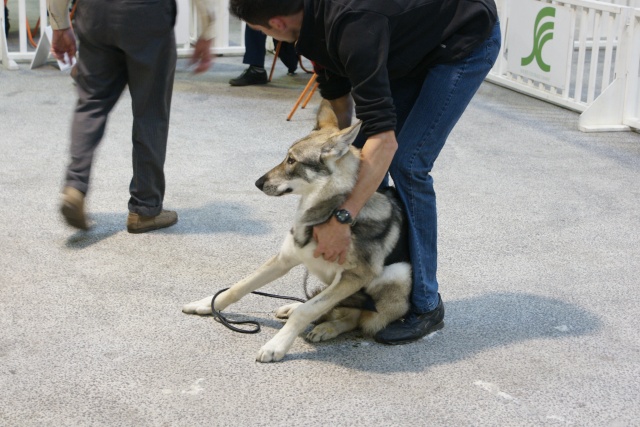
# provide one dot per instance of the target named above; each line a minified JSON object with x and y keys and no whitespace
{"x":229,"y":323}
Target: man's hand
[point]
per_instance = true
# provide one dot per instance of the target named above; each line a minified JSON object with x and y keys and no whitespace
{"x":333,"y":240}
{"x":63,"y":41}
{"x":201,"y":56}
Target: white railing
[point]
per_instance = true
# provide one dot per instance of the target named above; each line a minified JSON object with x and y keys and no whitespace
{"x":229,"y":33}
{"x":590,"y":65}
{"x":629,"y":3}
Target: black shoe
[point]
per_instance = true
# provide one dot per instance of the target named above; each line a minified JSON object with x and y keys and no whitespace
{"x":413,"y":326}
{"x":291,"y":72}
{"x":250,"y":76}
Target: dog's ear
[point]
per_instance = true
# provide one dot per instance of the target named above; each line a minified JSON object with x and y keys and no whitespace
{"x":326,"y":118}
{"x":338,"y":144}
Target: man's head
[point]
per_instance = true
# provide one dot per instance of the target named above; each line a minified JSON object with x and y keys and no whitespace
{"x":280,"y":19}
{"x":259,"y":12}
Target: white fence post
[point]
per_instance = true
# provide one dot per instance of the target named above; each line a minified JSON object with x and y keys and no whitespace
{"x":606,"y":113}
{"x":182,"y":24}
{"x":632,"y":107}
{"x":7,"y":62}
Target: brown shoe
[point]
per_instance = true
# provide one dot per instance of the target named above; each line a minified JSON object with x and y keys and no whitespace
{"x":141,"y":224}
{"x":73,"y":208}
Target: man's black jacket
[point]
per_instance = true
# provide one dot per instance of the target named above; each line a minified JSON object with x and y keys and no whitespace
{"x":363,"y":44}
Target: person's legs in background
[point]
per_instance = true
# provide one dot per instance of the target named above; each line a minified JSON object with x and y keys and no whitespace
{"x":113,"y":55}
{"x":254,"y":45}
{"x":151,"y":63}
{"x":100,"y":81}
{"x":289,"y":57}
{"x":254,"y":56}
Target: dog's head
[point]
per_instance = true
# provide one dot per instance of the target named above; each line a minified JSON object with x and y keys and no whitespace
{"x":312,"y":160}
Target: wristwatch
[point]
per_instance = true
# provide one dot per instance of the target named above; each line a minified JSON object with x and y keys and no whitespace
{"x":344,"y":216}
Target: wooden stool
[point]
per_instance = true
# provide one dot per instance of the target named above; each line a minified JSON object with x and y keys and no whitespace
{"x":308,"y":91}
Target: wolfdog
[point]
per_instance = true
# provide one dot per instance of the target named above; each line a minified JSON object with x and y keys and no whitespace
{"x":322,"y":169}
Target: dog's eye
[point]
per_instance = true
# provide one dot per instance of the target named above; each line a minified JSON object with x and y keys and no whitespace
{"x":290,"y":160}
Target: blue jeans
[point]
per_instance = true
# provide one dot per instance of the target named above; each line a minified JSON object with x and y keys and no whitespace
{"x":427,"y":110}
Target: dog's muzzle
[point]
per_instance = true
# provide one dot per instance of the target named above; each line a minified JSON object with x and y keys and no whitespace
{"x":270,"y":190}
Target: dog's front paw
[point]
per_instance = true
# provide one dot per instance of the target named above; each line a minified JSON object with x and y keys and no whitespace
{"x":285,"y":311}
{"x":202,"y":306}
{"x":323,"y":332}
{"x":271,"y":352}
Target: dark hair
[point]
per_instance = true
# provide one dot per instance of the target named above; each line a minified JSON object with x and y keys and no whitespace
{"x":258,"y":12}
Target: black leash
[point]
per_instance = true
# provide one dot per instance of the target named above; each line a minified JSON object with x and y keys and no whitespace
{"x":229,"y":323}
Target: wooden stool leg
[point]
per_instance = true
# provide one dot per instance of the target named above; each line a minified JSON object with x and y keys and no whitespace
{"x":301,"y":97}
{"x":275,"y":59}
{"x":306,"y":101}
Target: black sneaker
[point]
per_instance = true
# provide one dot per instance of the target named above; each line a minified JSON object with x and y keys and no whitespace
{"x":250,"y":76}
{"x":413,"y":326}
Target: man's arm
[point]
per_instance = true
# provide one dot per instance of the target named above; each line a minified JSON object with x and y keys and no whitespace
{"x":59,"y":14}
{"x":202,"y":50}
{"x":375,"y":159}
{"x":333,"y":237}
{"x":63,"y":40}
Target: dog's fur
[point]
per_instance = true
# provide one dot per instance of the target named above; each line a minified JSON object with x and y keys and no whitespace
{"x":322,"y":168}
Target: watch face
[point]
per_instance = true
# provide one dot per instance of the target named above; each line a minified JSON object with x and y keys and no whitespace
{"x":343,"y":216}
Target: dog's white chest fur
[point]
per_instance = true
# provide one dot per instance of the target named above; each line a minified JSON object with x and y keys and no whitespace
{"x":324,"y":270}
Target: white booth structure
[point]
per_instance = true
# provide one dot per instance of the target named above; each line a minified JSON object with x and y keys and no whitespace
{"x":583,"y":55}
{"x":580,"y":54}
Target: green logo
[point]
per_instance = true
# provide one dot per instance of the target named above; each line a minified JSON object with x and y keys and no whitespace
{"x":542,"y":33}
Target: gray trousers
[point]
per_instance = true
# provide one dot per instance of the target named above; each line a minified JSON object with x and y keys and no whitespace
{"x":125,"y":42}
